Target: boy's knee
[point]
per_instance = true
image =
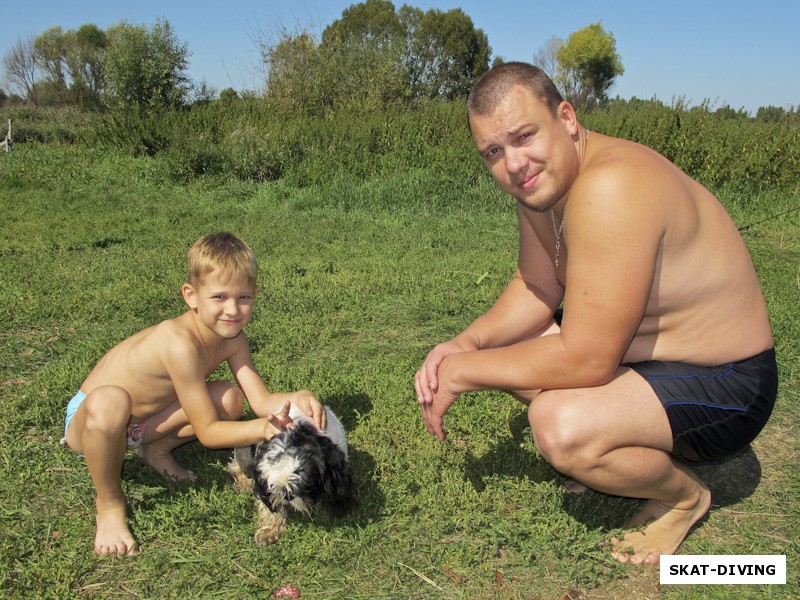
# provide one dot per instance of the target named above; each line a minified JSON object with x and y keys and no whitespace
{"x":108,"y":408}
{"x":232,"y":404}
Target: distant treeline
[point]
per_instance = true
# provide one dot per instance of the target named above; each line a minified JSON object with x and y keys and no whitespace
{"x":245,"y":139}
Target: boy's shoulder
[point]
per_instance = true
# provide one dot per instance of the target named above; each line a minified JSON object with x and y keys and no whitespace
{"x":176,"y":337}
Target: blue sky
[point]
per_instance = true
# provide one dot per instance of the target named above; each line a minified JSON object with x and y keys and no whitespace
{"x":741,"y":53}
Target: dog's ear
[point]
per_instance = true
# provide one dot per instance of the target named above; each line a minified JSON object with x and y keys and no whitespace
{"x":244,"y":457}
{"x":339,"y":490}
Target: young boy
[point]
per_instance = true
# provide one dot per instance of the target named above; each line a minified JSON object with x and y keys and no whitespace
{"x":150,"y":391}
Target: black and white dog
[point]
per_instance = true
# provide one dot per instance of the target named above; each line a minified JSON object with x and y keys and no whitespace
{"x":302,"y":468}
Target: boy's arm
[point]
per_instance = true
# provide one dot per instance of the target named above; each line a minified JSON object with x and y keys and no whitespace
{"x":261,"y":399}
{"x":187,"y":373}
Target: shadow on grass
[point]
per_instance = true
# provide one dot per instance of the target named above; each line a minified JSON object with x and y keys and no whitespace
{"x":730,"y":480}
{"x":510,"y":457}
{"x":209,"y":465}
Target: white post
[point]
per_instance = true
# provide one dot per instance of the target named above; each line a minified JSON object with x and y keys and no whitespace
{"x":6,"y":143}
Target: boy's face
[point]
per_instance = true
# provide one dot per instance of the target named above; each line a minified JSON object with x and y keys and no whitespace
{"x":223,"y":306}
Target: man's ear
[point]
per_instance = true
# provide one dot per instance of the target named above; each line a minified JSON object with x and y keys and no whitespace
{"x":567,"y":115}
{"x":189,"y":295}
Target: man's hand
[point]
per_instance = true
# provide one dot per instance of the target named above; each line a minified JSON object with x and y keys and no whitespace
{"x":433,"y":412}
{"x":426,"y":381}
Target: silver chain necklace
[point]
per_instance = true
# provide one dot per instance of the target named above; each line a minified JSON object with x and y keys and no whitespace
{"x":557,"y":231}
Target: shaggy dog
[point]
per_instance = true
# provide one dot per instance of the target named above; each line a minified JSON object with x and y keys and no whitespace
{"x":302,"y":468}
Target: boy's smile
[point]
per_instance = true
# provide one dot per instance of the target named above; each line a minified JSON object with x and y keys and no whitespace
{"x":223,"y":306}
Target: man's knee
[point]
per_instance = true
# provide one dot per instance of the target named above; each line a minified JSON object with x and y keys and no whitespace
{"x":556,"y":431}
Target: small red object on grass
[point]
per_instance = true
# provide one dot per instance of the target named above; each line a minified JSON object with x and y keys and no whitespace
{"x":287,"y":591}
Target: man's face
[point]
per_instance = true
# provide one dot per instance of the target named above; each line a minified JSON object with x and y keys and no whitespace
{"x":529,"y":151}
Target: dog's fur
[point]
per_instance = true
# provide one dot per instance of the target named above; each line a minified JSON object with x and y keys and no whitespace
{"x":302,"y":468}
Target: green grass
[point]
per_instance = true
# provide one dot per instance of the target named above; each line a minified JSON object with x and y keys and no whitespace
{"x":358,"y":281}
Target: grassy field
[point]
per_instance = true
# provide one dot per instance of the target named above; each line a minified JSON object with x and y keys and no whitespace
{"x":359,"y":280}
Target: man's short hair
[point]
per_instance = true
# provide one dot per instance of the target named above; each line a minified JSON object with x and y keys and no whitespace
{"x":493,"y":86}
{"x":224,"y":254}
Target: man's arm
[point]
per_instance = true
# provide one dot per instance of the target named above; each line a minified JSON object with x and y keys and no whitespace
{"x":525,"y":307}
{"x":614,"y":236}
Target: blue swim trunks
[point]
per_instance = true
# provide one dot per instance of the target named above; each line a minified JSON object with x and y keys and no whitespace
{"x":135,"y":430}
{"x":72,"y":408}
{"x":714,"y":411}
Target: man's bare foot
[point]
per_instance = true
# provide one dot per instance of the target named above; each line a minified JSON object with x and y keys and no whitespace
{"x":113,"y":537}
{"x":163,"y":462}
{"x":573,"y":486}
{"x":659,"y":529}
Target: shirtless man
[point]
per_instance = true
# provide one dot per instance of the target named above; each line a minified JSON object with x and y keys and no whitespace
{"x":151,"y":392}
{"x":663,"y":356}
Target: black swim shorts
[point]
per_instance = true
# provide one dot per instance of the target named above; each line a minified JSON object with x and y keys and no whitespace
{"x":714,"y":411}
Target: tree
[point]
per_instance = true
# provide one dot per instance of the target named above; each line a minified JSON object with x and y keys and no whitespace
{"x":588,"y":63}
{"x":85,"y":55}
{"x":770,"y":114}
{"x":546,"y":58}
{"x":51,"y":57}
{"x":373,"y":23}
{"x":444,"y":54}
{"x":145,"y":67}
{"x":360,"y":55}
{"x":290,"y":70}
{"x":374,"y":55}
{"x":20,"y":65}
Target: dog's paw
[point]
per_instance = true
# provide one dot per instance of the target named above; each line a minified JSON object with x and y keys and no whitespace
{"x":266,"y":535}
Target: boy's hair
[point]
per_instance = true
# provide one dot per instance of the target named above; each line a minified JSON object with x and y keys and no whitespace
{"x":493,"y":86}
{"x":224,"y":253}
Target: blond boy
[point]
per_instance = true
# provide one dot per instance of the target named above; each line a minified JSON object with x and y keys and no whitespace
{"x":151,"y":390}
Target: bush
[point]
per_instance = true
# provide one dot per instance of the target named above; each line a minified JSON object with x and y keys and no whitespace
{"x":747,"y":154}
{"x":246,"y":139}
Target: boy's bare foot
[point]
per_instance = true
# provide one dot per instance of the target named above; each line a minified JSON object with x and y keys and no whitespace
{"x":659,"y":529}
{"x":163,"y":462}
{"x":113,"y":537}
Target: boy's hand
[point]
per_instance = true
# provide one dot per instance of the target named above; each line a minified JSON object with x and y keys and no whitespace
{"x":281,"y":419}
{"x":311,"y":406}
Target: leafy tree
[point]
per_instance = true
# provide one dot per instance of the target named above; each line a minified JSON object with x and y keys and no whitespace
{"x":291,"y":70}
{"x":359,"y":57}
{"x":373,"y":56}
{"x":228,"y":95}
{"x":371,"y":23}
{"x":85,"y":55}
{"x":770,"y":114}
{"x":728,"y":112}
{"x":445,"y":54}
{"x":588,"y":64}
{"x":145,"y":67}
{"x":51,"y":51}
